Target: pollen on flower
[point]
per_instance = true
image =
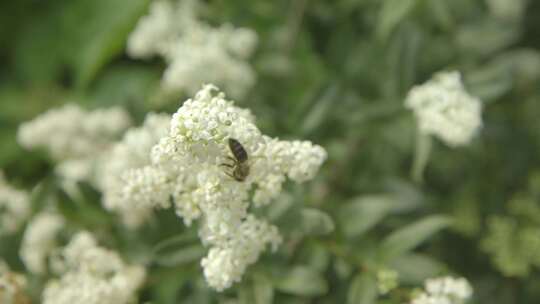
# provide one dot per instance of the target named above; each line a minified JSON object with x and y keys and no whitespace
{"x":187,"y":166}
{"x":444,"y":109}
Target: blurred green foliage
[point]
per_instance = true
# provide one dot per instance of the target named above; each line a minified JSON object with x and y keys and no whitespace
{"x":334,"y":72}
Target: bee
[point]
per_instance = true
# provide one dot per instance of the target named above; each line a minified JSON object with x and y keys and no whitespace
{"x":240,"y":165}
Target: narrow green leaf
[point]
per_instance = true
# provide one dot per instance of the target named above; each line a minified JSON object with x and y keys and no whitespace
{"x":263,"y":290}
{"x":320,"y":110}
{"x":495,"y":36}
{"x":421,"y":156}
{"x":123,"y":84}
{"x":416,"y":268}
{"x":391,"y":14}
{"x":410,"y":236}
{"x":102,"y":32}
{"x":178,"y":250}
{"x":408,"y":196}
{"x":364,"y":212}
{"x":302,"y":281}
{"x":363,"y":290}
{"x":315,"y":222}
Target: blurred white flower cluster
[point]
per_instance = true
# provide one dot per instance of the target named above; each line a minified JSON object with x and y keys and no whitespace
{"x":132,"y":152}
{"x":196,"y":53}
{"x":74,"y":137}
{"x":187,"y":168}
{"x":92,"y":275}
{"x":40,"y":240}
{"x":14,"y":207}
{"x":12,"y":286}
{"x":507,"y":10}
{"x":444,"y":290}
{"x":443,"y":108}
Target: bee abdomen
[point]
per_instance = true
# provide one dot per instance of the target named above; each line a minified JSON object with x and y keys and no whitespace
{"x":238,"y":150}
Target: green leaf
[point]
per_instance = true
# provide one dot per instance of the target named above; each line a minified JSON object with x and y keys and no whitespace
{"x":391,"y":14}
{"x":421,"y":156}
{"x":263,"y":290}
{"x":100,"y":29}
{"x":302,"y":281}
{"x":320,"y":110}
{"x":363,"y":290}
{"x":364,"y":212}
{"x":408,"y":196}
{"x":412,"y":235}
{"x":166,"y":282}
{"x":495,"y":36}
{"x":178,"y":250}
{"x":416,"y":268}
{"x":315,"y":222}
{"x":40,"y":33}
{"x":129,"y":85}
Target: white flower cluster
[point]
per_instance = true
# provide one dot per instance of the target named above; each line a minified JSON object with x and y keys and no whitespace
{"x":443,"y":108}
{"x":196,"y":53}
{"x":508,"y":10}
{"x":12,"y":286}
{"x":74,"y":137}
{"x":92,"y":275}
{"x":444,"y":290}
{"x":14,"y":207}
{"x":132,"y":152}
{"x":39,"y":240}
{"x":192,"y":166}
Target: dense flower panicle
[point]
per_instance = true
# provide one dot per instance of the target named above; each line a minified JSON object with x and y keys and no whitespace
{"x":225,"y":265}
{"x":192,"y":48}
{"x":443,"y":108}
{"x":132,"y":152}
{"x":444,"y":290}
{"x":77,"y":132}
{"x":12,"y":286}
{"x":507,"y":10}
{"x":191,"y":165}
{"x":204,"y":48}
{"x":156,"y":32}
{"x":92,"y":275}
{"x":74,"y":137}
{"x":14,"y":207}
{"x":39,"y":240}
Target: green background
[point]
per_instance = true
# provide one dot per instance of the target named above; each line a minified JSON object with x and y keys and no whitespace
{"x":336,"y":73}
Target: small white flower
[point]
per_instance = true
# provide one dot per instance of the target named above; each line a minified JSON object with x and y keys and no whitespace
{"x":443,"y":108}
{"x":93,"y":275}
{"x":196,"y":52}
{"x":444,"y":290}
{"x":14,"y":207}
{"x":226,"y":264}
{"x":456,"y":288}
{"x":192,"y":165}
{"x":39,"y":240}
{"x":132,"y":152}
{"x":74,"y":137}
{"x":70,"y":132}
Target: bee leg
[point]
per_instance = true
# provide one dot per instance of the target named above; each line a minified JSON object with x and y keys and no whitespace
{"x":230,"y":175}
{"x":227,"y":165}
